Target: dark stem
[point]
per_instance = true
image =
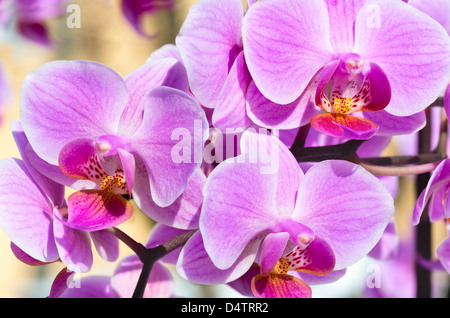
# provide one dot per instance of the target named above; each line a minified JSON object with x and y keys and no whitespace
{"x":345,"y":150}
{"x":406,"y":160}
{"x":423,"y":235}
{"x":152,"y":255}
{"x":136,"y":247}
{"x":149,"y":256}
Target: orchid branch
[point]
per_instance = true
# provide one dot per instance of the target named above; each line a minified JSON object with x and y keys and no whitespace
{"x":149,"y":256}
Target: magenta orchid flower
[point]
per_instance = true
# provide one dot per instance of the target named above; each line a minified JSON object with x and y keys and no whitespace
{"x":31,"y":17}
{"x":435,"y":194}
{"x":293,"y":222}
{"x":115,"y":133}
{"x":134,"y":10}
{"x":342,"y":57}
{"x":29,"y":209}
{"x":210,"y":46}
{"x":122,"y":283}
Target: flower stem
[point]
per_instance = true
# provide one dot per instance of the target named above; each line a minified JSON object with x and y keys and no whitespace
{"x":423,"y":233}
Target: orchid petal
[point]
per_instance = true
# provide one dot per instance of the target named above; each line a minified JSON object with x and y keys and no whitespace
{"x":346,"y":206}
{"x":230,"y":110}
{"x":272,"y":249}
{"x":134,"y":10}
{"x":282,"y":51}
{"x":438,"y":179}
{"x":72,"y":99}
{"x":168,"y":112}
{"x":156,"y":72}
{"x":74,"y":247}
{"x":281,"y":161}
{"x":342,"y":16}
{"x":280,"y":286}
{"x":447,"y":100}
{"x":91,"y":287}
{"x":25,"y":212}
{"x":54,"y":172}
{"x":266,"y":113}
{"x":75,"y":158}
{"x":129,"y":167}
{"x":317,"y":258}
{"x":61,"y":282}
{"x":53,"y":190}
{"x":411,"y":48}
{"x":344,"y":126}
{"x":94,"y":210}
{"x":208,"y":43}
{"x":183,"y":213}
{"x":106,"y":244}
{"x":230,"y":217}
{"x":443,"y":252}
{"x":390,"y":125}
{"x":34,"y":31}
{"x":25,"y":258}
{"x":195,"y":265}
{"x":437,"y":9}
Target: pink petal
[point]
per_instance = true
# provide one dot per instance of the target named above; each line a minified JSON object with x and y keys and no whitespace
{"x":208,"y":43}
{"x":342,"y":21}
{"x":74,"y":247}
{"x":25,"y":212}
{"x":183,"y":213}
{"x":345,"y":126}
{"x":280,"y":286}
{"x":317,"y":258}
{"x":266,"y":113}
{"x":411,"y":48}
{"x":155,"y":72}
{"x":230,"y":111}
{"x":282,"y":51}
{"x":230,"y":217}
{"x":72,"y":99}
{"x":34,"y":31}
{"x":350,"y":221}
{"x":195,"y":265}
{"x":94,"y":210}
{"x":281,"y":161}
{"x":25,"y":258}
{"x":272,"y":249}
{"x":106,"y":244}
{"x":170,"y":115}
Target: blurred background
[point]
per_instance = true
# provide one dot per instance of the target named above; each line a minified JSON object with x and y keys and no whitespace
{"x":107,"y":37}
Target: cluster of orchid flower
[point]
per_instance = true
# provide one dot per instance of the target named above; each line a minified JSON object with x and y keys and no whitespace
{"x":278,"y":76}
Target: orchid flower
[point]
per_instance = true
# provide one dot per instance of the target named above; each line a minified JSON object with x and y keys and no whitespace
{"x":29,"y":209}
{"x":293,"y":221}
{"x":133,"y":11}
{"x":435,"y":194}
{"x":122,"y":283}
{"x":210,"y":46}
{"x":31,"y":17}
{"x":116,"y":133}
{"x":343,"y":57}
